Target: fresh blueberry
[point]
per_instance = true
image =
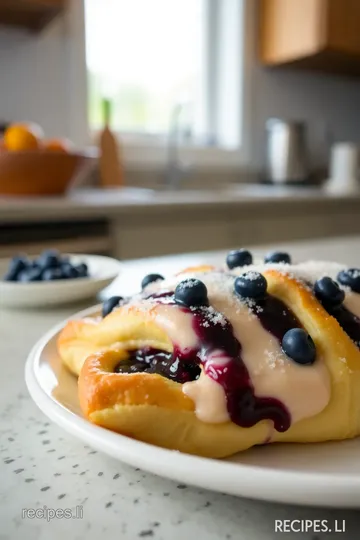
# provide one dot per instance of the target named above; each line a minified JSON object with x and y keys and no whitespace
{"x":11,"y":276}
{"x":48,"y":252}
{"x":110,"y":304}
{"x":19,"y":262}
{"x":251,"y":285}
{"x":350,"y":278}
{"x":328,"y":292}
{"x":240,"y":257}
{"x":150,"y":278}
{"x":278,"y":257}
{"x":191,"y":293}
{"x":299,"y":346}
{"x":65,"y":266}
{"x":49,"y":259}
{"x":69,"y":271}
{"x":82,"y":270}
{"x":17,"y":265}
{"x":31,"y":274}
{"x":52,"y":274}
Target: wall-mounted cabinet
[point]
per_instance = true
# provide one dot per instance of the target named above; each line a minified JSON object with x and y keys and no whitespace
{"x":312,"y":34}
{"x":33,"y":15}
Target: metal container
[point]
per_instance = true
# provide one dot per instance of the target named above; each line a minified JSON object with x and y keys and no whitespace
{"x":286,"y":155}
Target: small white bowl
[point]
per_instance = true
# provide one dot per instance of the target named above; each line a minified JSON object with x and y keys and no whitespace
{"x":102,"y":271}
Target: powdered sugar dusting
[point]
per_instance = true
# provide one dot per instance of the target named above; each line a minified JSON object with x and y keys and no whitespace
{"x":252,"y":275}
{"x":307,"y":272}
{"x":274,"y":358}
{"x":252,"y":305}
{"x":213,"y":317}
{"x":187,"y":283}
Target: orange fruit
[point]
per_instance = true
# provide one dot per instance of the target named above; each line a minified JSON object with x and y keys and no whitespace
{"x":58,"y":145}
{"x":2,"y":146}
{"x":19,"y":137}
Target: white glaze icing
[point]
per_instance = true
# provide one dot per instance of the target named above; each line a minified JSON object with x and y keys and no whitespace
{"x":176,"y":323}
{"x":178,"y":326}
{"x":271,"y":372}
{"x":209,"y":398}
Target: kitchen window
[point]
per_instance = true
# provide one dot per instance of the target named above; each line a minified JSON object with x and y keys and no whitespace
{"x":170,"y":66}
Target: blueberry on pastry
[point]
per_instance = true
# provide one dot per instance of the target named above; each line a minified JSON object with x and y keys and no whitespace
{"x":350,"y":278}
{"x":238,"y":258}
{"x":150,"y":278}
{"x":110,"y":304}
{"x":214,"y":362}
{"x":278,"y":257}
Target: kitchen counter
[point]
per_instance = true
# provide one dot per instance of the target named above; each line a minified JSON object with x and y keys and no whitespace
{"x":42,"y":465}
{"x":137,"y":222}
{"x":137,"y":201}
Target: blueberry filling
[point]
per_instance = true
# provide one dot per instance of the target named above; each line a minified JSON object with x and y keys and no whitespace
{"x":328,"y":293}
{"x":281,"y":322}
{"x":150,"y":360}
{"x":349,"y":322}
{"x":275,"y":316}
{"x":215,"y":333}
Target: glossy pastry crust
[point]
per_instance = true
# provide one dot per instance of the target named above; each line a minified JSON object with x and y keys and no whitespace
{"x":154,"y":409}
{"x":341,"y":418}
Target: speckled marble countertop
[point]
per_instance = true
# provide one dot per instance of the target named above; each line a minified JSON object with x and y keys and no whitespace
{"x":42,"y":465}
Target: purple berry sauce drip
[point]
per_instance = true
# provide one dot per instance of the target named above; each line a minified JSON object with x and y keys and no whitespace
{"x":275,"y":316}
{"x":216,"y":334}
{"x":349,"y":322}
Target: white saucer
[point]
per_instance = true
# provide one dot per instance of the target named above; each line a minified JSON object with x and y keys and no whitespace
{"x":325,"y":474}
{"x":102,"y":270}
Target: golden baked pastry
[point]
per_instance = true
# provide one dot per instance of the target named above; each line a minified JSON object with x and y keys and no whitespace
{"x":215,"y":361}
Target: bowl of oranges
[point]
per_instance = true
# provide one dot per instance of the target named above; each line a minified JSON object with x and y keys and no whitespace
{"x":30,"y":164}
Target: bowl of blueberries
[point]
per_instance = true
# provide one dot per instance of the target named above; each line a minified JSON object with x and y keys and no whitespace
{"x":53,"y":278}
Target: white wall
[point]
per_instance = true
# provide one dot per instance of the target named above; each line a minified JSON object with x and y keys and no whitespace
{"x":34,"y":79}
{"x":329,"y":104}
{"x":37,"y":74}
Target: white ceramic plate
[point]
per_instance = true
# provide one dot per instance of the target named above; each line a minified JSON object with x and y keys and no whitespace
{"x":102,"y":270}
{"x":319,"y":474}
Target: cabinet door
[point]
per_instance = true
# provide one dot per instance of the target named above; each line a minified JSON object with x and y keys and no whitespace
{"x":343,"y":26}
{"x":291,"y":29}
{"x":31,"y":14}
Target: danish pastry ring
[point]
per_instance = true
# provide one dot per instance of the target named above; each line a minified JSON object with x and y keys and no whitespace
{"x":213,"y":362}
